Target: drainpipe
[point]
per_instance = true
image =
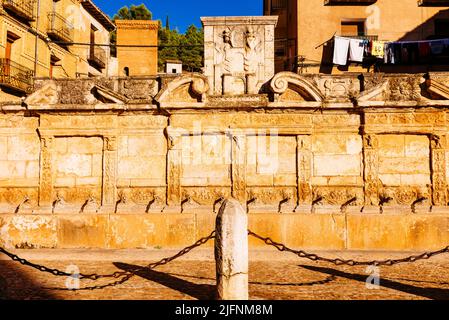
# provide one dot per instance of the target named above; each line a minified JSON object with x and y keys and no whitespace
{"x":37,"y":37}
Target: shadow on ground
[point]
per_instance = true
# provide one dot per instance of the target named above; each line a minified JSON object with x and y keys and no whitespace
{"x":197,"y":291}
{"x":15,"y":284}
{"x":429,"y":293}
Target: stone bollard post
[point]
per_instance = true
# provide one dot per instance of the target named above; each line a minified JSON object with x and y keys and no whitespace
{"x":231,"y":251}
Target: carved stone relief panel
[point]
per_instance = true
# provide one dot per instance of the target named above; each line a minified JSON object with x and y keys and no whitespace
{"x":46,"y":171}
{"x":239,"y":53}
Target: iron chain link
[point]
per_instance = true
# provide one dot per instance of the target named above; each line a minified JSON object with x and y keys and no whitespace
{"x":117,"y":274}
{"x":314,"y":257}
{"x":124,"y":276}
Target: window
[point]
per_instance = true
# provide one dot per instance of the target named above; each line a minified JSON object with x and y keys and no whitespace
{"x":442,"y":28}
{"x":353,"y":28}
{"x":126,"y":71}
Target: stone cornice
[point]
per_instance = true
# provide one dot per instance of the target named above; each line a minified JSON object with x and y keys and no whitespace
{"x":439,"y":89}
{"x":285,"y":92}
{"x":256,"y":20}
{"x":137,"y":24}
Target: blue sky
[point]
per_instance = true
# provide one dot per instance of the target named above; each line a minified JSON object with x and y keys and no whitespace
{"x":183,"y":13}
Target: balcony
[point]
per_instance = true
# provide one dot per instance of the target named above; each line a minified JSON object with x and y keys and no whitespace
{"x":349,"y":2}
{"x":433,"y":3}
{"x":15,"y":76}
{"x":21,"y":8}
{"x":59,"y":28}
{"x":97,"y":57}
{"x":362,"y":37}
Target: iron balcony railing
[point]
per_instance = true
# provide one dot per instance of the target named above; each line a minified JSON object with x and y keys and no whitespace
{"x":22,"y":8}
{"x":363,"y":37}
{"x":15,"y":76}
{"x":97,"y":57}
{"x":59,"y":28}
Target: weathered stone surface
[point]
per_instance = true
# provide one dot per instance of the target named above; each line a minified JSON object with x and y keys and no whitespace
{"x":27,"y":231}
{"x":231,"y":251}
{"x":23,"y":147}
{"x":82,"y":231}
{"x":337,"y":165}
{"x":341,"y":144}
{"x":301,"y":140}
{"x":150,"y":231}
{"x":243,"y":56}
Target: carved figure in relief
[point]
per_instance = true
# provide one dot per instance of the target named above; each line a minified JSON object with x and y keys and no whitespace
{"x":252,"y":50}
{"x":224,"y":52}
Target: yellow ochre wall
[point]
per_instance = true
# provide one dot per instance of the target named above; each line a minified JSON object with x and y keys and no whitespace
{"x":312,"y":23}
{"x":73,"y":59}
{"x":135,"y":33}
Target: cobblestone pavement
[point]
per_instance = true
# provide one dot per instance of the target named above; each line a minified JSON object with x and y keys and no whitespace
{"x":273,"y":275}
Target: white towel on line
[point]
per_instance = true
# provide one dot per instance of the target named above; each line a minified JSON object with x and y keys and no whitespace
{"x":341,"y":48}
{"x":356,"y":50}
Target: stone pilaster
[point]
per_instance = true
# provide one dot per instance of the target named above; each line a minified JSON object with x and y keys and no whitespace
{"x":109,"y":171}
{"x":371,"y":170}
{"x":439,"y":184}
{"x":46,"y":172}
{"x":304,"y":170}
{"x":238,"y":167}
{"x":174,"y":169}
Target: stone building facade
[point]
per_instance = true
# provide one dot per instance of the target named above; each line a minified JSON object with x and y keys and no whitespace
{"x":137,"y":51}
{"x":305,"y":29}
{"x":61,"y":23}
{"x":319,"y":161}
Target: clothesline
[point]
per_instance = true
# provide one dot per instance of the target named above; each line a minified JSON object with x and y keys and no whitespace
{"x":392,"y":52}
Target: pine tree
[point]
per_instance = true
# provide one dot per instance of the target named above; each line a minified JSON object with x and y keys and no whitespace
{"x":167,"y":24}
{"x":139,"y":12}
{"x":192,"y":50}
{"x":186,"y":47}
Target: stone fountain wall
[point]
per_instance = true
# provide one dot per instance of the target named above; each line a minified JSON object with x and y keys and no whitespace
{"x":357,"y":161}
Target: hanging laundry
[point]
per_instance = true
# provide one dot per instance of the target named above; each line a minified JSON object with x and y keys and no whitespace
{"x":389,"y":53}
{"x":356,"y":50}
{"x":378,"y":49}
{"x":437,"y":47}
{"x":424,"y":49}
{"x":404,"y":53}
{"x":341,"y":48}
{"x":397,"y":51}
{"x":368,"y":47}
{"x":446,"y":46}
{"x":413,"y":52}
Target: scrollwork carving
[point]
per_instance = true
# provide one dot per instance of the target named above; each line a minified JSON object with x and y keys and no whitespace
{"x":282,"y":81}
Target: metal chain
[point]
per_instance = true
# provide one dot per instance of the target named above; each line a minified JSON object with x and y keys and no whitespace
{"x":314,"y":257}
{"x":117,"y":274}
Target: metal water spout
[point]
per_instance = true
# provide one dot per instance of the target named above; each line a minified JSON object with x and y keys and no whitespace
{"x":384,"y":199}
{"x":345,"y":205}
{"x":121,"y":199}
{"x":283,"y":202}
{"x":25,"y":200}
{"x":59,"y":200}
{"x":316,"y":202}
{"x":185,"y":201}
{"x":416,"y":202}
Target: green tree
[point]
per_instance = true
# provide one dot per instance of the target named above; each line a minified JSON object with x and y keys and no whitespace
{"x":191,"y":51}
{"x":169,"y":41}
{"x":173,"y":45}
{"x":139,"y":12}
